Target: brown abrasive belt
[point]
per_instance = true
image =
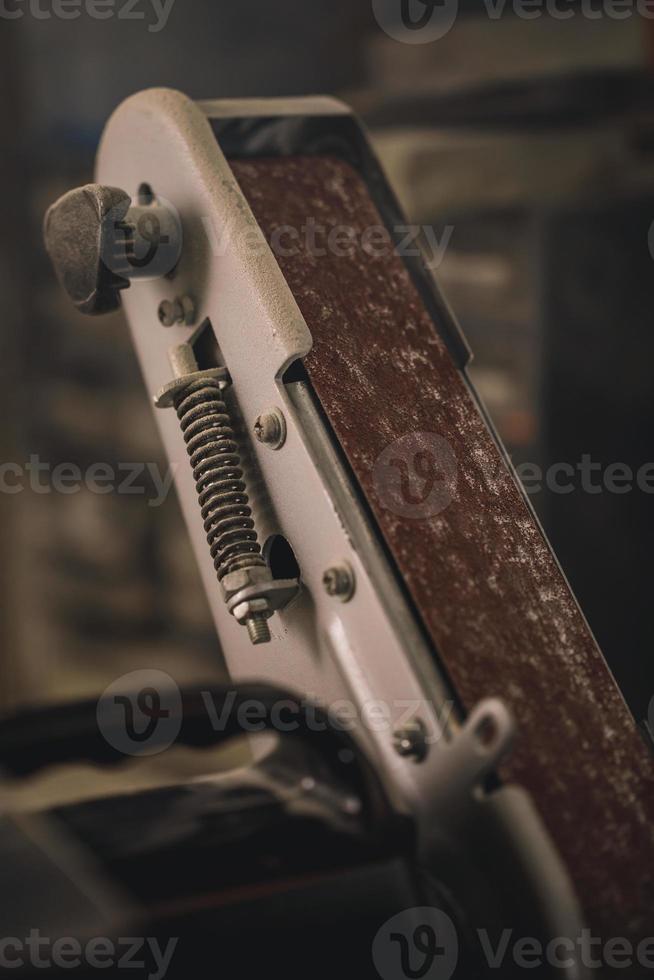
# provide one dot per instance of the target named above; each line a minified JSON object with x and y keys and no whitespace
{"x":490,"y":593}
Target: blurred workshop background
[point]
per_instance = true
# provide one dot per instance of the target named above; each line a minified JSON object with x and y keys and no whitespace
{"x":532,"y":141}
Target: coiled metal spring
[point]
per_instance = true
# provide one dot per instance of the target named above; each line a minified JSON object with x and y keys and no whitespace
{"x":216,"y":463}
{"x":251,"y":593}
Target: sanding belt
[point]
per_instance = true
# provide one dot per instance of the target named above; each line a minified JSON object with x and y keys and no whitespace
{"x":490,"y":593}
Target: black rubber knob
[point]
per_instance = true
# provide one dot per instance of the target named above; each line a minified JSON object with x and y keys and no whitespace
{"x":81,"y":231}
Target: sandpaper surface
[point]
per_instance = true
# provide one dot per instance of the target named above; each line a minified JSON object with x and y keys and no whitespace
{"x":491,"y":595}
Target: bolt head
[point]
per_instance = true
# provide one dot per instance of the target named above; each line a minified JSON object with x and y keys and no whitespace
{"x":167,"y":313}
{"x":411,"y":741}
{"x":270,"y":428}
{"x":339,"y":582}
{"x":177,"y":311}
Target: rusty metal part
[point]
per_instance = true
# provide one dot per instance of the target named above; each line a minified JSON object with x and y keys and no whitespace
{"x":489,"y":591}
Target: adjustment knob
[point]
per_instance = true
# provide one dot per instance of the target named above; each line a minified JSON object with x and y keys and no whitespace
{"x":98,"y":241}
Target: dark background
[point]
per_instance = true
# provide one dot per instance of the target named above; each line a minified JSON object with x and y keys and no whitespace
{"x":533,"y":139}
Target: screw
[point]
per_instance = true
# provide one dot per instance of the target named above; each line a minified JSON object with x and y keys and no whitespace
{"x":258,"y":629}
{"x":339,"y":582}
{"x":411,"y":741}
{"x":270,"y":428}
{"x":177,"y":311}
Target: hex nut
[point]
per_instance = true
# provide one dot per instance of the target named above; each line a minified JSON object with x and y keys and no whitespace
{"x":233,"y":582}
{"x":251,"y":607}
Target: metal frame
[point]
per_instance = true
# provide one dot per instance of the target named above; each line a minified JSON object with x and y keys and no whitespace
{"x":368,"y":649}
